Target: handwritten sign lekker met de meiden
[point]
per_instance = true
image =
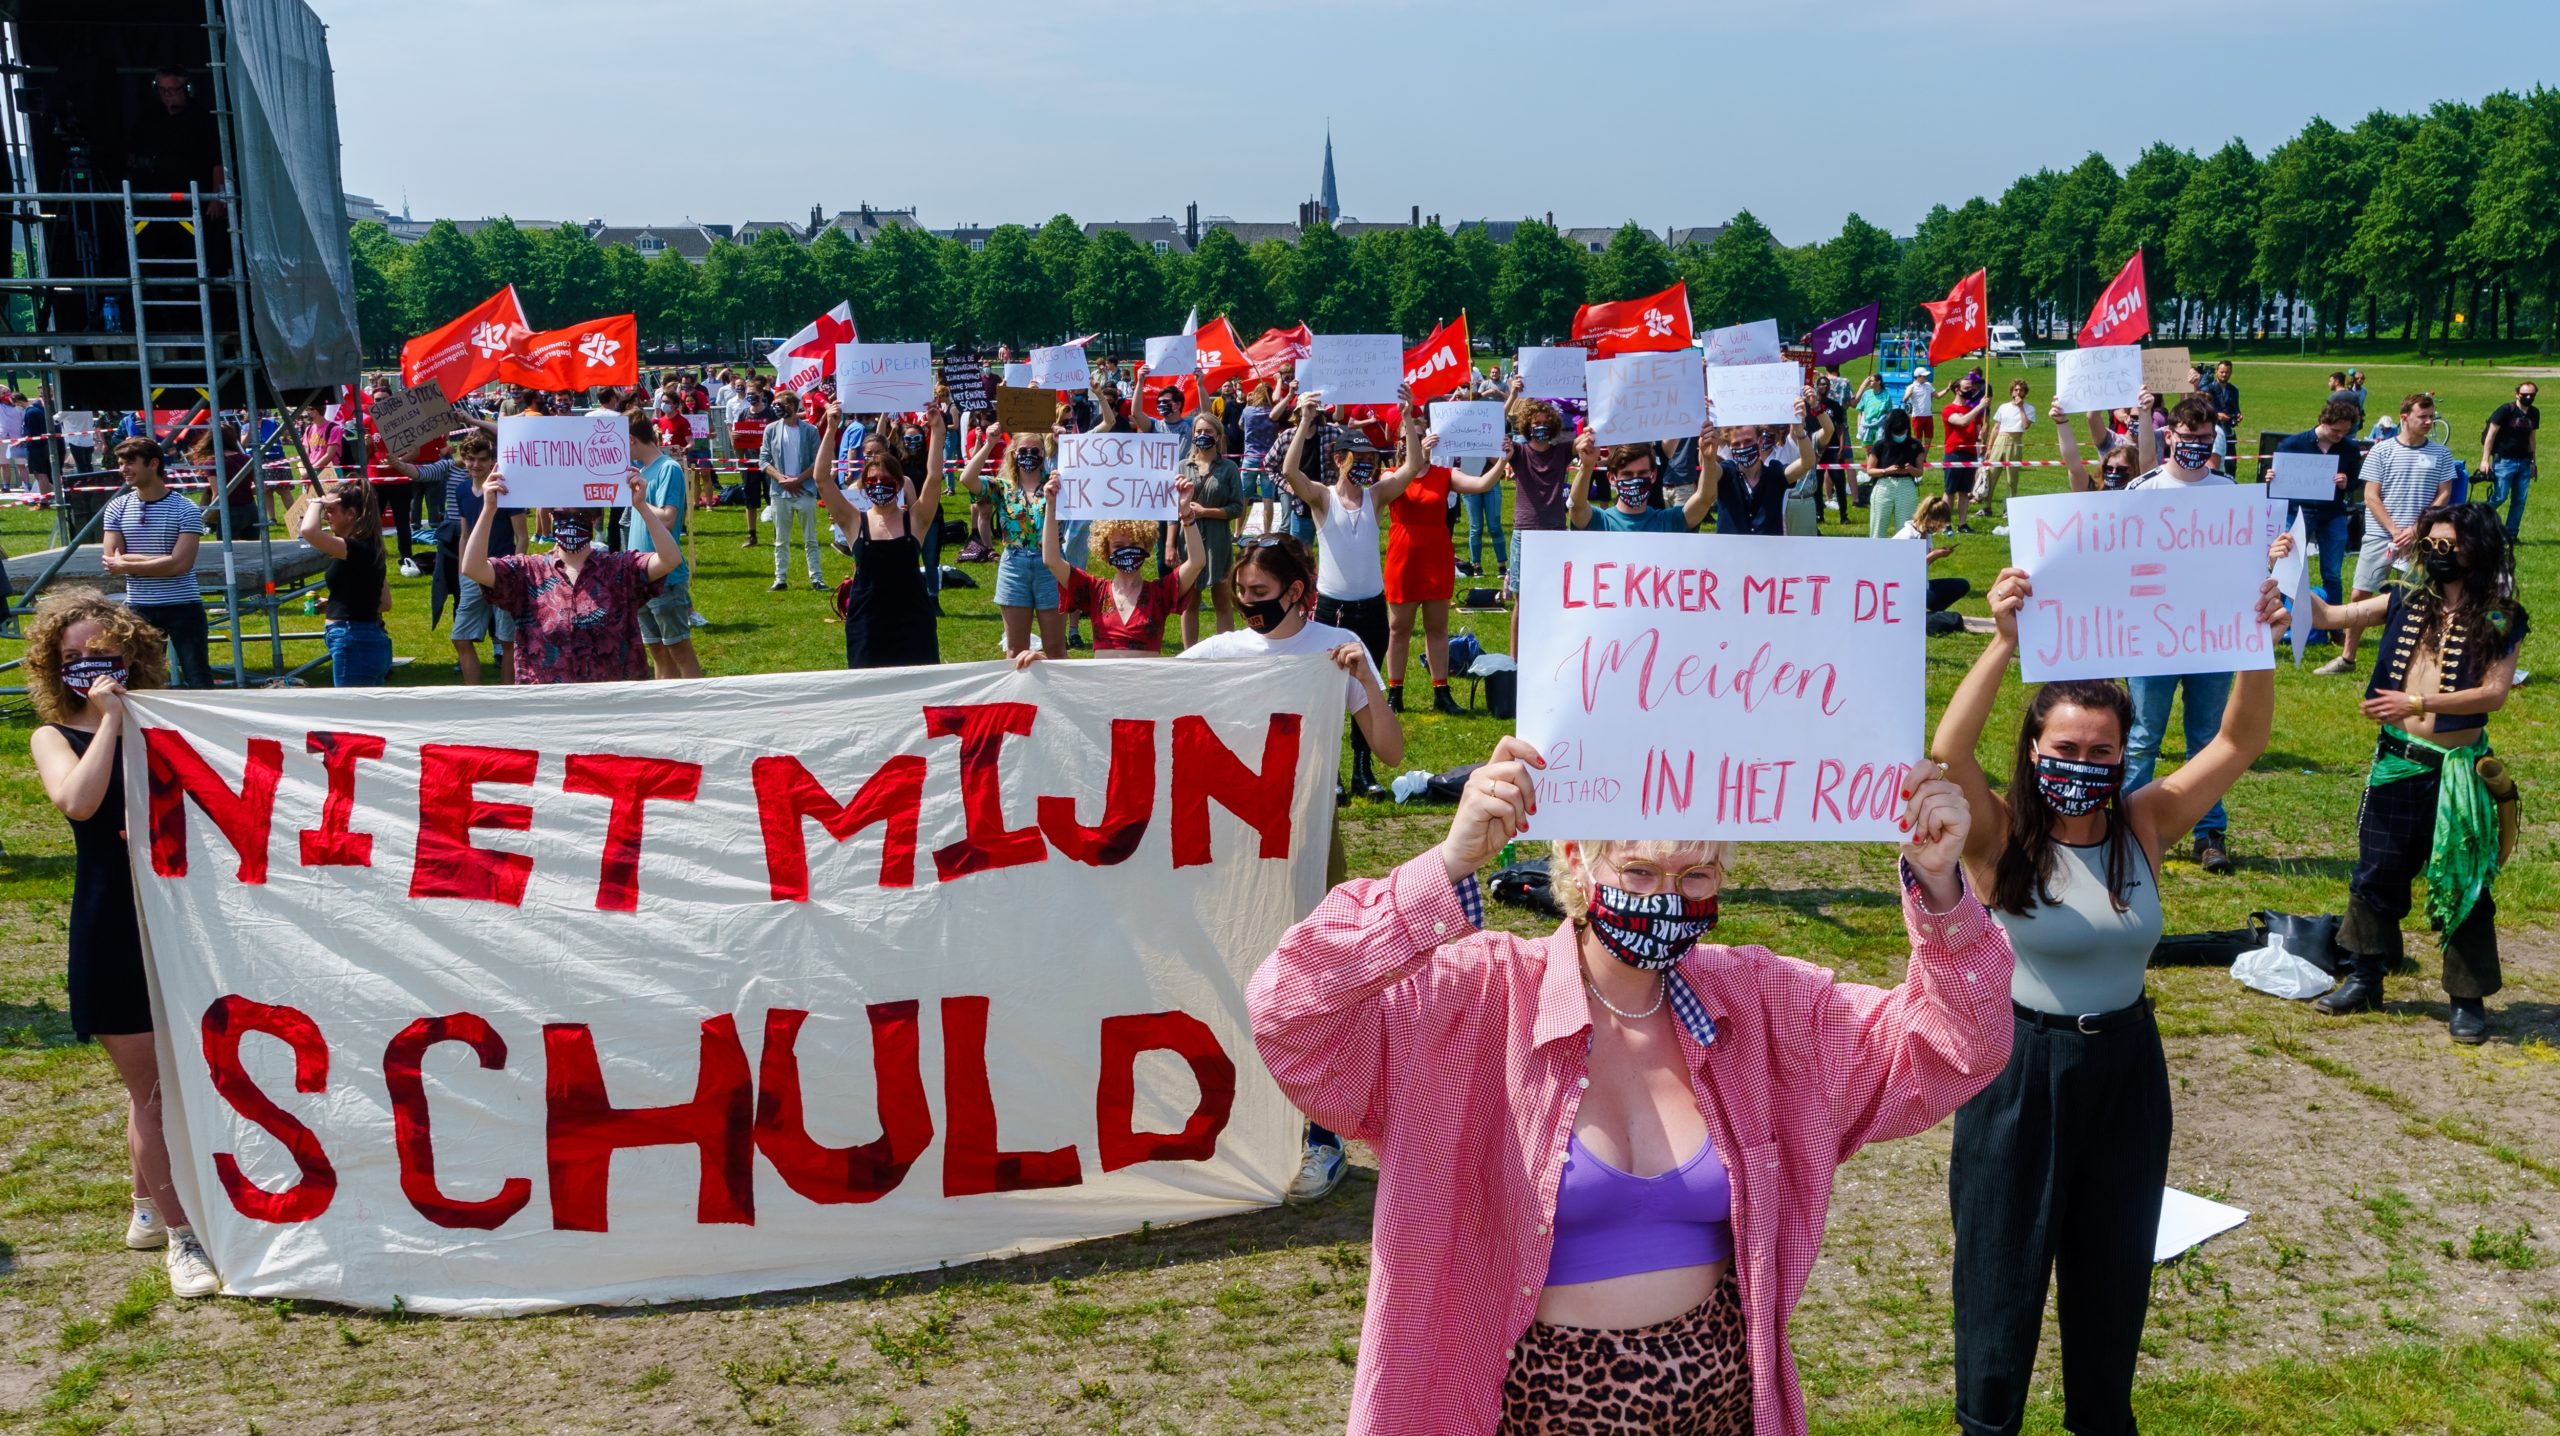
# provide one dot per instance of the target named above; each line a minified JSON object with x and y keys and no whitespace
{"x":564,"y":463}
{"x":1695,"y":686}
{"x":2142,"y":583}
{"x":1116,"y":476}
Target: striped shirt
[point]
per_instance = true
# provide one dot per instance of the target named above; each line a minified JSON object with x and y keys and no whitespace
{"x":1461,"y":1056}
{"x":152,"y":530}
{"x":2408,"y":477}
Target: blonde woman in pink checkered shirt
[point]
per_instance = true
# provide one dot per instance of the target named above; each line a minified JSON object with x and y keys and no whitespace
{"x":1605,"y":1156}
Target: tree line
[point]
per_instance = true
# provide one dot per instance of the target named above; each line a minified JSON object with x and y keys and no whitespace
{"x":2406,"y":220}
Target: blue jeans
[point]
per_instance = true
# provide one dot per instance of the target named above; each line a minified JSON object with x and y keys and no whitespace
{"x":1484,"y":519}
{"x":359,"y":654}
{"x":2325,"y":524}
{"x":2509,"y":481}
{"x":2207,"y":695}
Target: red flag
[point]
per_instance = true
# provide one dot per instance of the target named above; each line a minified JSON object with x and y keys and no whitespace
{"x":1221,"y":357}
{"x":1963,"y":320}
{"x":1632,"y":326}
{"x":1440,"y":365}
{"x":1277,"y":347}
{"x":2122,"y":315}
{"x":582,"y":356}
{"x":465,"y":354}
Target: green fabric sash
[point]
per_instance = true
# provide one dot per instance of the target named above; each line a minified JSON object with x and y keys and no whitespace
{"x":2465,"y":857}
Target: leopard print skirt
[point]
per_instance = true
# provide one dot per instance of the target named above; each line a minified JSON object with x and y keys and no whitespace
{"x":1688,"y":1376}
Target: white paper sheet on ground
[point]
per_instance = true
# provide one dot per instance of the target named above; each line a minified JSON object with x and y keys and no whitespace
{"x":2293,"y":579}
{"x":2187,"y":1220}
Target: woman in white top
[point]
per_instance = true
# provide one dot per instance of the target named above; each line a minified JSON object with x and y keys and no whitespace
{"x":1920,"y":401}
{"x":1351,"y":581}
{"x":2009,"y":425}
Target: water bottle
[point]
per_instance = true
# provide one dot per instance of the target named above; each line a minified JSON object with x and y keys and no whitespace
{"x":114,"y":312}
{"x":1508,"y":851}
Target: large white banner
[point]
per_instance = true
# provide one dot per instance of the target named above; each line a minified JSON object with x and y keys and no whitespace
{"x":1703,"y":686}
{"x":497,"y":1000}
{"x":2143,"y":583}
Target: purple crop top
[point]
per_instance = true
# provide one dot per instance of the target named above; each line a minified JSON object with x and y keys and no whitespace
{"x":1611,"y":1224}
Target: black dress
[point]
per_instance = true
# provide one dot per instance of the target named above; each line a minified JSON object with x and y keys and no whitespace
{"x":888,"y":617}
{"x":108,"y":993}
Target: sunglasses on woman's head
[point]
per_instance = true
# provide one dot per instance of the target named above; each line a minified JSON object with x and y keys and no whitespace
{"x":1261,"y":541}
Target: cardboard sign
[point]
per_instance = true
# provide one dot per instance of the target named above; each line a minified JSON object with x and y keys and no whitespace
{"x":1753,"y":343}
{"x":453,"y":962}
{"x":884,"y":378}
{"x":571,"y":463}
{"x":410,"y":419}
{"x":1060,"y":366}
{"x":1017,"y":376}
{"x":1554,"y":373}
{"x":1026,"y":411}
{"x":1466,"y":429}
{"x":1117,"y":476}
{"x":1754,"y":393}
{"x":967,"y":381}
{"x":1692,"y":686}
{"x":2106,"y":376}
{"x":1353,"y":368}
{"x":2143,"y":582}
{"x":2169,"y":372}
{"x":1173,"y":354}
{"x":2312,"y":478}
{"x":1638,"y":398}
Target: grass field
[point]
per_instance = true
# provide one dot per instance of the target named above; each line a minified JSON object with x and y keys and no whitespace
{"x":2397,"y":1274}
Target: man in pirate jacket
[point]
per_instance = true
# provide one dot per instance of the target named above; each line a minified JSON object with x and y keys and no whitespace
{"x":2436,"y":801}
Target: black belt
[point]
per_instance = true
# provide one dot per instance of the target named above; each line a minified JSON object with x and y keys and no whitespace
{"x":2396,"y":743}
{"x":2088,"y":1024}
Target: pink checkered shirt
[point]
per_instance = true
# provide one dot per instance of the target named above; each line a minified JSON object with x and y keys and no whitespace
{"x":1460,"y":1055}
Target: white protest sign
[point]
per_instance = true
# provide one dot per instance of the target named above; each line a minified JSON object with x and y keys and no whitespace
{"x":883,"y":378}
{"x":1017,"y":376}
{"x":570,"y":463}
{"x":1173,"y":354}
{"x":2104,"y":376}
{"x":1638,"y":398}
{"x":2144,"y":582}
{"x":1117,"y":476}
{"x":1695,"y":686}
{"x":1753,"y":343}
{"x":595,"y":1011}
{"x":1466,"y":429}
{"x":2293,"y":580}
{"x":1353,"y":368}
{"x":697,"y":426}
{"x":2312,"y":478}
{"x":1060,"y":366}
{"x":1754,"y":393}
{"x":1553,"y":373}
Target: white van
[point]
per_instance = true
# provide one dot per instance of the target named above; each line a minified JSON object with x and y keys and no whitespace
{"x":2005,"y":340}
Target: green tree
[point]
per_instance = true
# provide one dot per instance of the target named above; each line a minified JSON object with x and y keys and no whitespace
{"x":2062,"y":255}
{"x":2515,"y":226}
{"x":956,"y":325}
{"x":674,"y":300}
{"x":1009,"y":293}
{"x":901,"y":298}
{"x":1432,"y":284}
{"x":835,"y":265}
{"x":1853,"y":268}
{"x":1272,"y":259}
{"x":1059,"y":246}
{"x":1118,"y":291}
{"x":626,"y":291}
{"x":720,"y":295}
{"x":379,"y":263}
{"x":1365,"y":304}
{"x":2304,"y":212}
{"x":2146,"y":205}
{"x":1475,"y":249}
{"x":1742,"y":279}
{"x":1225,"y":281}
{"x":506,"y":256}
{"x":1635,"y":264}
{"x":443,"y":277}
{"x":2014,"y":222}
{"x":568,"y":278}
{"x":2213,"y":237}
{"x":1541,"y":283}
{"x":2404,"y":238}
{"x":1308,"y":284}
{"x":781,"y":284}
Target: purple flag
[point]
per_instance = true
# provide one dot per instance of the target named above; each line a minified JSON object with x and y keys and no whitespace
{"x":1851,"y":336}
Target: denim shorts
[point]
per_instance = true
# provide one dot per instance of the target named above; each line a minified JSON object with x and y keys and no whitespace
{"x":1023,"y":580}
{"x":474,"y":617}
{"x":668,"y":618}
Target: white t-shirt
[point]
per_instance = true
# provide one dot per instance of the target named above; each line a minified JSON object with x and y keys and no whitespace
{"x":1312,"y":637}
{"x":2163,"y":478}
{"x":1920,"y":400}
{"x":2011,"y":417}
{"x":1347,"y":562}
{"x":1910,"y":531}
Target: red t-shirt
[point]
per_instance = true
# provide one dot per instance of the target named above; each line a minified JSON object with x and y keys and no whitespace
{"x":1142,"y":629}
{"x":1964,"y":441}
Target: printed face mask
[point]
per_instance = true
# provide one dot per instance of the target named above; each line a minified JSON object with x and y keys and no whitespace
{"x":571,"y":534}
{"x":1262,"y":615}
{"x":1651,"y":931}
{"x":82,"y":674}
{"x":2192,"y":453}
{"x":1028,"y":463}
{"x":1745,"y":455}
{"x":1364,"y":472}
{"x":1204,"y":440}
{"x":1632,"y":491}
{"x":2072,"y":788}
{"x":1128,"y":558}
{"x":880,"y":493}
{"x":1541,"y":433}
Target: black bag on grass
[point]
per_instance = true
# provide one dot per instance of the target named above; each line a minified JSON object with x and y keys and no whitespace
{"x":1502,"y":693}
{"x":1524,"y":884}
{"x":2314,"y":939}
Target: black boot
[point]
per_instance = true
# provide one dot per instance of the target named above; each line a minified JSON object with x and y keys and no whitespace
{"x":1443,"y":704}
{"x":2469,"y":1024}
{"x":2359,"y":991}
{"x":1395,"y":698}
{"x":1364,"y":779}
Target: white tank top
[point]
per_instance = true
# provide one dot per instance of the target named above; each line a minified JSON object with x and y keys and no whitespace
{"x":1347,"y":563}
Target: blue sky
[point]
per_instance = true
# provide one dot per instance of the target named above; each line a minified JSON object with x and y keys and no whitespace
{"x":643,"y":111}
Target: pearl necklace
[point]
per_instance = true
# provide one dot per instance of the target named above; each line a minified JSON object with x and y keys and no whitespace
{"x":1661,"y":990}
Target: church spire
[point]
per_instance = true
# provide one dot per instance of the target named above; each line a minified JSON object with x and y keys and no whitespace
{"x":1332,"y":197}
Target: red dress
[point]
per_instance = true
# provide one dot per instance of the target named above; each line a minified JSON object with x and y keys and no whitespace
{"x":1422,"y":559}
{"x":1141,"y":630}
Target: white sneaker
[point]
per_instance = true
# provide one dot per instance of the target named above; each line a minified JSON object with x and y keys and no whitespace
{"x":696,"y":620}
{"x":190,"y":1270}
{"x":143,"y":1231}
{"x":408,"y":568}
{"x":2336,"y":666}
{"x":2001,"y":531}
{"x":1318,"y":1174}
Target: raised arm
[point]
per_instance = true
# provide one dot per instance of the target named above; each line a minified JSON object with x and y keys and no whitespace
{"x":924,"y":508}
{"x":1195,"y":553}
{"x":1406,"y":472}
{"x":2073,"y":465}
{"x":1293,"y":466}
{"x":314,"y":530}
{"x":475,"y":544}
{"x":1052,"y":552}
{"x":1578,"y":481}
{"x":1958,"y":740}
{"x":840,"y":510}
{"x":663,"y":553}
{"x":972,"y":472}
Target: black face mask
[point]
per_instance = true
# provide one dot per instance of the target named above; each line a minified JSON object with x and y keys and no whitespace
{"x":1262,"y":615}
{"x":882,"y":494}
{"x":1652,"y":931}
{"x":2524,"y":401}
{"x":2074,"y":788}
{"x":2444,"y":565}
{"x":82,"y":674}
{"x":1028,"y":464}
{"x":1541,"y":433}
{"x":571,"y":534}
{"x":1364,"y":472}
{"x":1128,"y":558}
{"x":1745,"y":456}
